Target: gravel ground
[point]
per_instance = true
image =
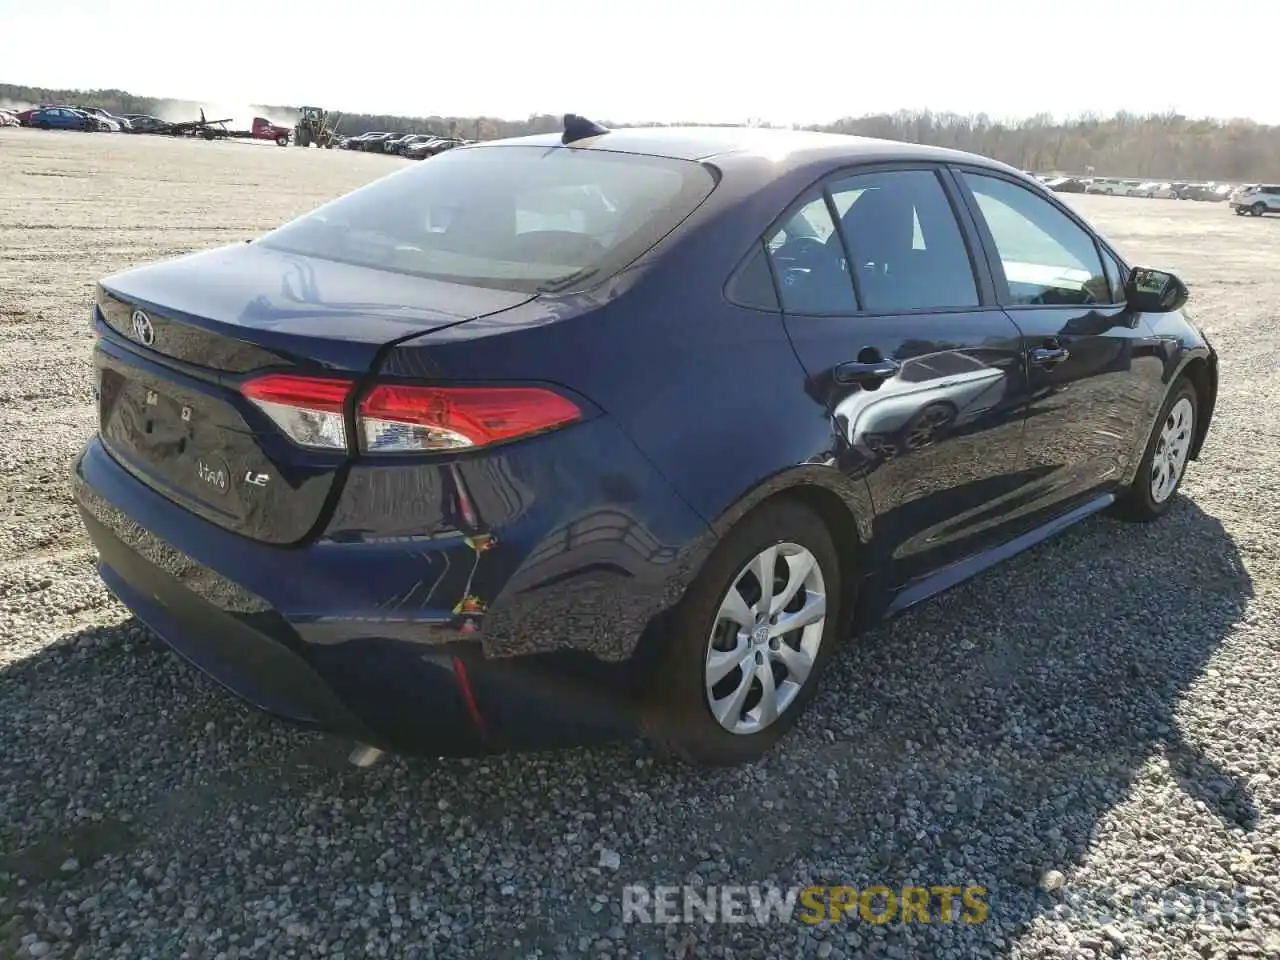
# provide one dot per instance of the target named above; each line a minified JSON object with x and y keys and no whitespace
{"x":1090,"y":725}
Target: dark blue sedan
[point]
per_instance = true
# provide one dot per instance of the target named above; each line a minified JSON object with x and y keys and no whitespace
{"x":572,"y":437}
{"x":64,"y":118}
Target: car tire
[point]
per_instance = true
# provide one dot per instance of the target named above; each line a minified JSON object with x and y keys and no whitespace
{"x":679,"y":718}
{"x":1257,"y":210}
{"x":1165,"y":459}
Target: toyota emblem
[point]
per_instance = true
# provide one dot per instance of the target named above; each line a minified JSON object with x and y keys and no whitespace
{"x":143,"y":331}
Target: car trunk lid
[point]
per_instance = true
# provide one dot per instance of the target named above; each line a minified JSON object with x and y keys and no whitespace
{"x":187,"y":335}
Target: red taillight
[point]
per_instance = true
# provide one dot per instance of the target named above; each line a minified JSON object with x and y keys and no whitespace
{"x":397,"y":418}
{"x":308,"y":409}
{"x":394,"y":418}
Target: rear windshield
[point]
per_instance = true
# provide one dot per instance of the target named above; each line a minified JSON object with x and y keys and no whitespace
{"x":528,"y":219}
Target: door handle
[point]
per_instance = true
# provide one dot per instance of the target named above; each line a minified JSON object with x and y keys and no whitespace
{"x":856,"y":371}
{"x":1049,"y":356}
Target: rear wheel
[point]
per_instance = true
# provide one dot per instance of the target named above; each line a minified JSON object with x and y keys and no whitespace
{"x":1165,"y":460}
{"x":749,"y":640}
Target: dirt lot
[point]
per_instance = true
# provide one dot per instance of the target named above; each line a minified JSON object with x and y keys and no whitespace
{"x":1099,"y":717}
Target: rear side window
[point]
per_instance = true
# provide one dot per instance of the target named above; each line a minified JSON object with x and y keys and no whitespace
{"x":808,"y":261}
{"x":528,"y":219}
{"x":1048,"y":258}
{"x":904,"y":241}
{"x":752,"y":284}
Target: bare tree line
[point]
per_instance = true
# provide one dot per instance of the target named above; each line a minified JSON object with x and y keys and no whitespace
{"x":1168,"y":145}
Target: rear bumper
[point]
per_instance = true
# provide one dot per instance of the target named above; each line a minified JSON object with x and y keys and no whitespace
{"x":287,"y":630}
{"x":443,"y":701}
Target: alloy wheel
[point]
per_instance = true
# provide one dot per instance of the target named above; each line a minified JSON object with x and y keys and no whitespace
{"x":765,"y":639}
{"x":1172,"y":448}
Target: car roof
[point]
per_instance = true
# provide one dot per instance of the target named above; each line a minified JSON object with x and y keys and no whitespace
{"x":784,"y":146}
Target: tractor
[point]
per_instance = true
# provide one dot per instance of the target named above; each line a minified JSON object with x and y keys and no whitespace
{"x":315,"y":126}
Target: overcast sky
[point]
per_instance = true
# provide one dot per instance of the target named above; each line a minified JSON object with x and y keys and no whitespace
{"x":791,"y":61}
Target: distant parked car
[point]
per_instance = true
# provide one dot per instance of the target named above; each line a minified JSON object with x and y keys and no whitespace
{"x":398,"y":145}
{"x":369,"y":141}
{"x":1115,"y":187}
{"x":420,"y":151}
{"x":142,"y":123}
{"x":422,"y":148}
{"x":365,"y":140}
{"x":1067,"y":185}
{"x":1256,"y":199}
{"x":66,"y":118}
{"x":1154,"y":189}
{"x":116,"y":123}
{"x":376,"y":141}
{"x":8,"y":119}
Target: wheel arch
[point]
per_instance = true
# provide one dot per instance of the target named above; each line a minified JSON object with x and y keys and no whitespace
{"x":1202,"y":371}
{"x":842,"y":503}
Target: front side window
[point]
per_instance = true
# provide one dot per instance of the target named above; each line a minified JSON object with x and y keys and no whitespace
{"x":1048,"y":259}
{"x":528,"y":219}
{"x":906,"y":246}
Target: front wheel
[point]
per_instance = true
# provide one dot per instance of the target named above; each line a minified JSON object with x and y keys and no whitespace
{"x":749,"y":640}
{"x":1165,"y":459}
{"x":1257,"y":210}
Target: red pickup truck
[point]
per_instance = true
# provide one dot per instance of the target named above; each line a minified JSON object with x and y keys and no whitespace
{"x":264,"y":129}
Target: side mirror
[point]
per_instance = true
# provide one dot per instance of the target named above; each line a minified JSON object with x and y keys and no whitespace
{"x":1154,"y":291}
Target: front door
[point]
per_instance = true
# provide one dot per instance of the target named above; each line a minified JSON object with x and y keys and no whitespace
{"x":921,"y":375}
{"x":1094,"y":371}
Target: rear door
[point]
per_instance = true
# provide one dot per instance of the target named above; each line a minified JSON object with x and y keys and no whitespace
{"x":921,"y":374}
{"x":1093,"y":370}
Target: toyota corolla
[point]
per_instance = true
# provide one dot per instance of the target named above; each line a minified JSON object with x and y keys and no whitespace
{"x":569,"y":437}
